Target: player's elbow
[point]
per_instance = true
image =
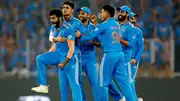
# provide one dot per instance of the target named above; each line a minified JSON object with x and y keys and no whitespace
{"x":71,"y":50}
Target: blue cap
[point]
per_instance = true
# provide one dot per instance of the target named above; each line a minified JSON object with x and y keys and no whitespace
{"x":85,"y":9}
{"x":124,"y":8}
{"x":132,"y":14}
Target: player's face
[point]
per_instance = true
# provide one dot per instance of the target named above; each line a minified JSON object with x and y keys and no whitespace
{"x":93,"y":17}
{"x":132,"y":20}
{"x":104,"y":14}
{"x":83,"y":16}
{"x":122,"y":15}
{"x":67,"y":10}
{"x":55,"y":20}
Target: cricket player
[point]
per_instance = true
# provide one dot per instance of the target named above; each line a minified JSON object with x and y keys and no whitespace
{"x":127,"y":41}
{"x":88,"y":52}
{"x":112,"y":64}
{"x":136,"y":54}
{"x":68,"y":10}
{"x":113,"y":90}
{"x":61,"y":54}
{"x":94,"y":19}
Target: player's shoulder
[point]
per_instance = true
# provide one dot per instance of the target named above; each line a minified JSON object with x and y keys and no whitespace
{"x":67,"y":25}
{"x":130,"y":25}
{"x":76,"y":20}
{"x":104,"y":24}
{"x":52,"y":27}
{"x":138,"y":30}
{"x":91,"y":24}
{"x":116,"y":22}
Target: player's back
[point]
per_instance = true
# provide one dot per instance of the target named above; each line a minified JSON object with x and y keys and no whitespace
{"x":110,"y":36}
{"x":66,"y":31}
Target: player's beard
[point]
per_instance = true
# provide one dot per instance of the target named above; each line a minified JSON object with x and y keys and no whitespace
{"x":57,"y":23}
{"x":83,"y":20}
{"x":121,"y":18}
{"x":133,"y":23}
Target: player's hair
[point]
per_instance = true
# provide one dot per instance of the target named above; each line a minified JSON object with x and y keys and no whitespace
{"x":56,"y":12}
{"x":71,"y":4}
{"x":109,"y":9}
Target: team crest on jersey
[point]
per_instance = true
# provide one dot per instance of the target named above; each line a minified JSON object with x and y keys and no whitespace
{"x":123,"y":29}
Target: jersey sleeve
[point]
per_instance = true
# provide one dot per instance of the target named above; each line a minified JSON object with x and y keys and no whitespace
{"x":140,"y":46}
{"x":97,"y":31}
{"x":130,"y":37}
{"x":69,"y":33}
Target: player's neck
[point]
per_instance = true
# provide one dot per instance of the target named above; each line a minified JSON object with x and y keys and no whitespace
{"x":123,"y":22}
{"x":107,"y":18}
{"x":86,"y":22}
{"x":95,"y":23}
{"x":67,"y":18}
{"x":57,"y":27}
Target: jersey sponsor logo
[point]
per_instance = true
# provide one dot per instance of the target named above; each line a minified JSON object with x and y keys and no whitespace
{"x":96,"y":29}
{"x":115,"y":27}
{"x":134,"y":37}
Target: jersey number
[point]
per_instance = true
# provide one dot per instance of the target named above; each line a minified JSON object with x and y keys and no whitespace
{"x":116,"y":37}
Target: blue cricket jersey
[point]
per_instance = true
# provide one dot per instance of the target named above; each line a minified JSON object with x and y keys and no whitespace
{"x":138,"y":47}
{"x":110,"y":35}
{"x":77,"y":25}
{"x":66,"y":31}
{"x":127,"y":32}
{"x":86,"y":47}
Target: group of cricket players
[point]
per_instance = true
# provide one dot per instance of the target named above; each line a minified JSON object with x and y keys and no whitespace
{"x":73,"y":50}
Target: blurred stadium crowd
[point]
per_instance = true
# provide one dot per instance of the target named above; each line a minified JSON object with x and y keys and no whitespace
{"x":24,"y":32}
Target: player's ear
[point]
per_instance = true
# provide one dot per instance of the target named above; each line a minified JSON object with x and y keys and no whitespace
{"x":60,"y":19}
{"x":72,"y":11}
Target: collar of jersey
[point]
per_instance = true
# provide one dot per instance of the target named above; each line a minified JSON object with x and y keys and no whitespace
{"x":111,"y":19}
{"x":58,"y":28}
{"x":88,"y":25}
{"x":125,"y":23}
{"x":69,"y":19}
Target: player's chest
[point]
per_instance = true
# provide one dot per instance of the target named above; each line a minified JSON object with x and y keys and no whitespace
{"x":87,"y":30}
{"x":59,"y":32}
